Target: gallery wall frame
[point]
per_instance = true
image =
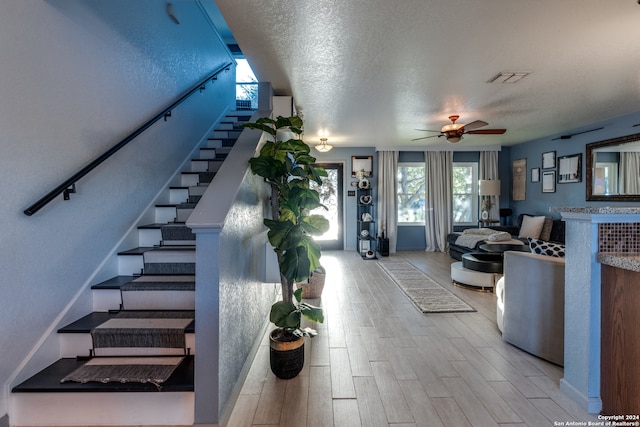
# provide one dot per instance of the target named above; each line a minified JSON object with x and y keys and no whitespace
{"x":359,"y":163}
{"x":535,"y":174}
{"x":570,"y":168}
{"x":549,"y":160}
{"x":549,"y":181}
{"x":519,"y":179}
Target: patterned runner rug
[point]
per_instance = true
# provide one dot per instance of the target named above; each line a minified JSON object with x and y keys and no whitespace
{"x":153,"y":370}
{"x":131,"y":332}
{"x":422,"y":290}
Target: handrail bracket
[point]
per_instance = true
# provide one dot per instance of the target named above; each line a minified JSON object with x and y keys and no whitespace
{"x":69,"y":190}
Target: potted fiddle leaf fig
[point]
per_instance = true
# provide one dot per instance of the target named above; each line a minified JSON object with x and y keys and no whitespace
{"x":287,"y":167}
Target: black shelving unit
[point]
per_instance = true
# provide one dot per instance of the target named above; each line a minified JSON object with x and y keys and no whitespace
{"x":366,"y":238}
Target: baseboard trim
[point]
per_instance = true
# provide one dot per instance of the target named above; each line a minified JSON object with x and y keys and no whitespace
{"x":593,"y":405}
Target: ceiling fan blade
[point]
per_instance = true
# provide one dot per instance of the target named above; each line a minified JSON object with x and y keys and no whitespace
{"x":475,"y":125}
{"x":487,"y":132}
{"x":427,"y":130}
{"x":424,"y":137}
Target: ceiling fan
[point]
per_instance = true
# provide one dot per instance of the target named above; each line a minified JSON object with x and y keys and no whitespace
{"x":454,"y":131}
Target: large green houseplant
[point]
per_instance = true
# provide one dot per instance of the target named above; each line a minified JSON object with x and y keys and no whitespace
{"x":287,"y":166}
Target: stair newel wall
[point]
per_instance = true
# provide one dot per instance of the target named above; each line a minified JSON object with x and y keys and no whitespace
{"x":232,"y":301}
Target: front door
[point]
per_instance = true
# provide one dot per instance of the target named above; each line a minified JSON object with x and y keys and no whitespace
{"x":331,"y":197}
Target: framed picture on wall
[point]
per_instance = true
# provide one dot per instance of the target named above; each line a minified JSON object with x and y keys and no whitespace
{"x":570,"y":168}
{"x":549,"y":181}
{"x":549,"y":160}
{"x":535,"y":174}
{"x":519,"y":179}
{"x":361,"y":163}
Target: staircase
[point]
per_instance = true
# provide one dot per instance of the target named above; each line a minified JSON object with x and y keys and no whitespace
{"x":145,"y":314}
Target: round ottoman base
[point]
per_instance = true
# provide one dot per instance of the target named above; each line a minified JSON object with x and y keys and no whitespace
{"x":471,"y":279}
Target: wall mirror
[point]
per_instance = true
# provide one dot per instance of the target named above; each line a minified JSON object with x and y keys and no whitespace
{"x":613,"y":169}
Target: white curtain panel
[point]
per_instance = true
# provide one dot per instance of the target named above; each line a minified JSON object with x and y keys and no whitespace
{"x":630,"y":172}
{"x":438,"y":199}
{"x":489,"y":170}
{"x":388,"y":196}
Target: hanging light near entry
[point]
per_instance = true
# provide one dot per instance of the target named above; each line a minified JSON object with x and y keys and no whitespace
{"x":323,"y":147}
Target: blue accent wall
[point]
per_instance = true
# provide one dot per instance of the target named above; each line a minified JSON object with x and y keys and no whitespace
{"x":571,"y":194}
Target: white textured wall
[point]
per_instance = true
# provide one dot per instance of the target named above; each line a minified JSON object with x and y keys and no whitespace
{"x":77,"y":77}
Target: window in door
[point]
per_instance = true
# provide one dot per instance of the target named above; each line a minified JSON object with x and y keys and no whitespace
{"x":465,"y":193}
{"x":411,"y":194}
{"x":331,"y":197}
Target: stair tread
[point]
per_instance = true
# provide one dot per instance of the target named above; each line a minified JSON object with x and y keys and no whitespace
{"x":137,"y":251}
{"x":85,"y":324}
{"x":119,"y":281}
{"x":114,"y":282}
{"x":48,"y":380}
{"x":157,"y":225}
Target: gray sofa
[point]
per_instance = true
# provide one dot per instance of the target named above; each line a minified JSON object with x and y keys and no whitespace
{"x":530,"y":304}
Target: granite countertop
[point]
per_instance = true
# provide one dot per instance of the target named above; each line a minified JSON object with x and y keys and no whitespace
{"x":598,"y":209}
{"x":626,"y":261}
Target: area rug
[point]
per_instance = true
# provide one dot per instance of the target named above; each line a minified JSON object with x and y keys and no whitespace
{"x":153,"y":370}
{"x":422,"y":290}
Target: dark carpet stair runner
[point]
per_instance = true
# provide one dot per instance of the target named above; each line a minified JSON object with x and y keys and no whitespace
{"x":170,"y":268}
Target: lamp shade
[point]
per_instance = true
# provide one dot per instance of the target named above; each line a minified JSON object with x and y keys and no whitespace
{"x":490,"y":187}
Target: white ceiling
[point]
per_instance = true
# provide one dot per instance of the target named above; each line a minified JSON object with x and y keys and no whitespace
{"x":370,"y":72}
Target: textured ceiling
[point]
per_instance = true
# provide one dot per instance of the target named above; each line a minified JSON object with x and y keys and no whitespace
{"x":370,"y":72}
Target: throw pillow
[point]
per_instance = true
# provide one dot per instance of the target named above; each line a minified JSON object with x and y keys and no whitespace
{"x":531,"y":227}
{"x":545,"y":233}
{"x":499,"y":236}
{"x":546,"y":248}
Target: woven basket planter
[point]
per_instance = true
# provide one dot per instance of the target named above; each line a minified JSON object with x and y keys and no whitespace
{"x":285,"y":357}
{"x":314,"y":288}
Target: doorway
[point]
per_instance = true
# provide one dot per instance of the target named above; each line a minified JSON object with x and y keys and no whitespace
{"x":331,"y":196}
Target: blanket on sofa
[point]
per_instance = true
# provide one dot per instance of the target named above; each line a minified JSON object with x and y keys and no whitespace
{"x":472,"y":236}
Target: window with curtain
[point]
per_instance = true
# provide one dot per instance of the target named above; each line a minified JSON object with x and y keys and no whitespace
{"x":410,"y":193}
{"x":465,"y":193}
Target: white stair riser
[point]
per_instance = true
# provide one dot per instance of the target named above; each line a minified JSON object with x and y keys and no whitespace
{"x":178,"y":195}
{"x":73,"y":345}
{"x":221,"y":134}
{"x":106,"y":299}
{"x":208,"y":153}
{"x":102,"y":409}
{"x":213,"y":143}
{"x":225,"y":126}
{"x":129,"y":265}
{"x":189,"y":179}
{"x":200,"y":165}
{"x":149,"y":237}
{"x":165,"y":214}
{"x":205,"y":165}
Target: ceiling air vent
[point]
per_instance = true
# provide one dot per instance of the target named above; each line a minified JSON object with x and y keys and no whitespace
{"x":508,"y":77}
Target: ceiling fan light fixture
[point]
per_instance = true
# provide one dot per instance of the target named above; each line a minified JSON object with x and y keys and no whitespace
{"x":451,"y":127}
{"x":323,"y":147}
{"x":453,"y":139}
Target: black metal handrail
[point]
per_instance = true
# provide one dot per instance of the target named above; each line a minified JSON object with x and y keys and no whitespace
{"x":68,"y":186}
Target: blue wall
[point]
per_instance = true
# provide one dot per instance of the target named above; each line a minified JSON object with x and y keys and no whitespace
{"x":572,"y":194}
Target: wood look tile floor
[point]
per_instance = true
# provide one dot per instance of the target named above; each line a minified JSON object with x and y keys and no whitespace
{"x":378,"y":361}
